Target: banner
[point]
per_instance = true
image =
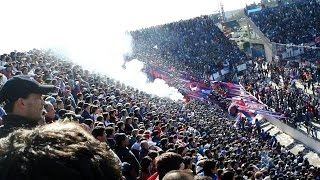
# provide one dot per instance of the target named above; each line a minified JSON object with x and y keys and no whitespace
{"x":241,"y":67}
{"x":224,"y":71}
{"x":254,"y":10}
{"x":216,"y":75}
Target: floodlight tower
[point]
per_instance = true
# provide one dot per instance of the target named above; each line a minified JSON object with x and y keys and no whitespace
{"x":222,"y":13}
{"x":222,"y":18}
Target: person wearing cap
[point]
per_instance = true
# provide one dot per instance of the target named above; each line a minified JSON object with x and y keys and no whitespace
{"x":23,"y":103}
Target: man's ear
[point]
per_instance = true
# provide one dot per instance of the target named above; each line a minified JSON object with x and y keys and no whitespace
{"x":20,"y":102}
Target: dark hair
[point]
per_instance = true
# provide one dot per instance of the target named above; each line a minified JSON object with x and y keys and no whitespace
{"x":153,"y":154}
{"x":120,"y":124}
{"x":56,"y":151}
{"x":88,"y":122}
{"x":109,"y":131}
{"x":93,"y":109}
{"x":68,"y":107}
{"x":105,"y":115}
{"x":127,"y":119}
{"x":187,"y":160}
{"x":227,"y":175}
{"x":167,"y":162}
{"x":145,"y":163}
{"x":80,"y":104}
{"x":85,"y":105}
{"x":119,"y":138}
{"x":88,"y":99}
{"x":208,"y":165}
{"x":77,"y":110}
{"x":180,"y":149}
{"x":100,"y":118}
{"x":61,"y":112}
{"x":98,"y":131}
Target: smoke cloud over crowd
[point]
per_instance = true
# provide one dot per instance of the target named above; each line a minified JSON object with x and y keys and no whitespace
{"x":93,"y":33}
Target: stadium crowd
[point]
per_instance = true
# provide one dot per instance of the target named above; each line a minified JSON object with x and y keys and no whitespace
{"x":94,"y":127}
{"x":284,"y":95}
{"x":196,"y":45}
{"x":295,"y":23}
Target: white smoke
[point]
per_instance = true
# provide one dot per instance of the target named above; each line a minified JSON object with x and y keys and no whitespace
{"x":92,"y":35}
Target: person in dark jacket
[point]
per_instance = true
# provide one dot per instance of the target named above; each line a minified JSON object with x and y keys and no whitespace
{"x":124,"y":153}
{"x":86,"y":111}
{"x":24,"y":105}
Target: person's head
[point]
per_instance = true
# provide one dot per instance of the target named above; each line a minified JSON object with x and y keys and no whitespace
{"x":121,"y":140}
{"x":106,"y":116}
{"x":258,"y":175}
{"x":227,"y":175}
{"x":167,"y":162}
{"x":178,"y":175}
{"x":99,"y":133}
{"x":121,"y":125}
{"x":113,"y":113}
{"x":146,"y":164}
{"x":56,"y":151}
{"x":60,"y":104}
{"x":86,"y":107}
{"x":187,"y":160}
{"x":52,"y":100}
{"x":50,"y":110}
{"x":78,"y":111}
{"x":128,"y":120}
{"x":22,"y":96}
{"x":144,"y":144}
{"x":94,"y":110}
{"x":209,"y":167}
{"x":182,"y":150}
{"x":80,"y":96}
{"x":110,"y":132}
{"x":208,"y":153}
{"x":128,"y":170}
{"x":89,"y":122}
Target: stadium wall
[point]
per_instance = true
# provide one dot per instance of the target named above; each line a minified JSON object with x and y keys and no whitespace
{"x":295,"y":134}
{"x":266,"y":42}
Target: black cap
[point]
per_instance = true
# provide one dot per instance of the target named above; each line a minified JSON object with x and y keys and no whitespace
{"x":22,"y":86}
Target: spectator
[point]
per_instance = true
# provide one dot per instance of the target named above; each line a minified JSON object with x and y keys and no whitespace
{"x":57,"y":151}
{"x":210,"y":169}
{"x":128,"y":171}
{"x":86,"y":111}
{"x":124,"y":153}
{"x":99,"y":133}
{"x":294,"y":23}
{"x":167,"y":162}
{"x":50,"y":112}
{"x":146,"y":168}
{"x":110,"y":132}
{"x":23,"y":103}
{"x":194,"y":129}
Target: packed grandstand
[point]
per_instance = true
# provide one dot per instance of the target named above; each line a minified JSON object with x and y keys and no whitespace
{"x":95,"y":127}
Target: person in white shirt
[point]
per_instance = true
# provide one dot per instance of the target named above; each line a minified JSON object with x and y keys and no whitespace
{"x":3,"y":79}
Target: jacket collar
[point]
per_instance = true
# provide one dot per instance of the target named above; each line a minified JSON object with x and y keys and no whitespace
{"x":16,"y":121}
